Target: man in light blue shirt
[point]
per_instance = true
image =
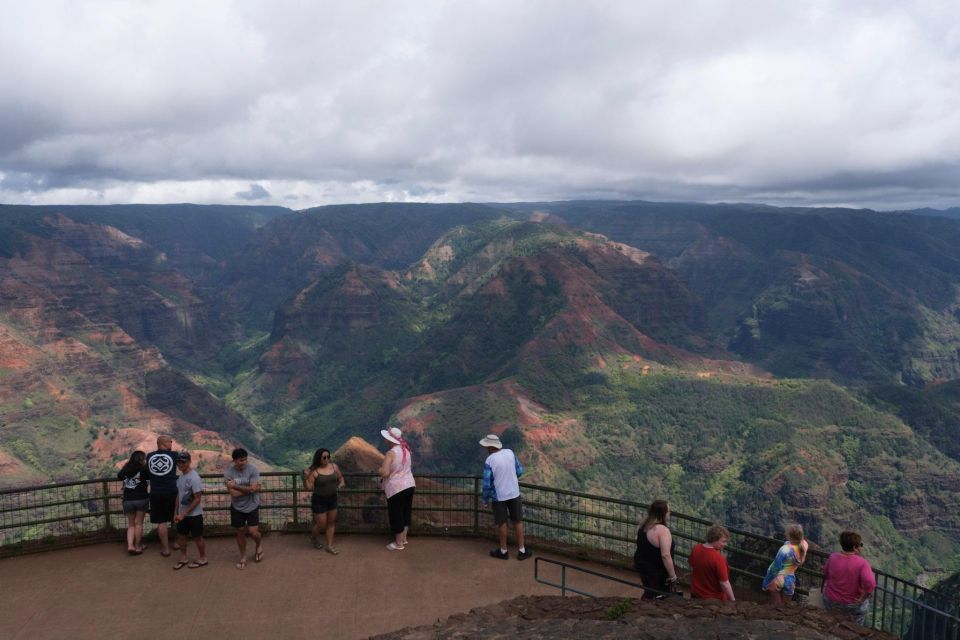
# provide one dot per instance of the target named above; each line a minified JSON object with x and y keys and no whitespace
{"x":501,"y":487}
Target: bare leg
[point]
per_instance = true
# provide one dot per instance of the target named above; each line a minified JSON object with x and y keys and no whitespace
{"x":775,"y":597}
{"x":201,"y":548}
{"x":132,"y":531}
{"x":242,"y":545}
{"x":138,"y":530}
{"x":403,"y":534}
{"x":518,"y":529}
{"x":331,"y":526}
{"x":502,"y":531}
{"x":319,"y":527}
{"x":319,"y":522}
{"x":182,"y":543}
{"x":258,"y":541}
{"x":164,"y":535}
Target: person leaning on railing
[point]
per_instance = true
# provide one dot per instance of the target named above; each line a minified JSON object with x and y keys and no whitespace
{"x":848,"y":578}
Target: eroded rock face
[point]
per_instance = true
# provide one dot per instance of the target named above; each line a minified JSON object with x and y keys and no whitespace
{"x":87,"y":315}
{"x":530,"y":617}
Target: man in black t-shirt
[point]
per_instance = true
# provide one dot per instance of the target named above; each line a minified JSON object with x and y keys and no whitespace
{"x":162,"y":473}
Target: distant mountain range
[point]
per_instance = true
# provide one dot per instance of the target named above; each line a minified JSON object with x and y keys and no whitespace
{"x":753,"y":364}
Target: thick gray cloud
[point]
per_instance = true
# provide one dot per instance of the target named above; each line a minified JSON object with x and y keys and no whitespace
{"x":822,"y":102}
{"x":255,"y":192}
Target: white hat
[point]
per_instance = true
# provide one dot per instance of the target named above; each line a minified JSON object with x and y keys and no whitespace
{"x":393,"y":435}
{"x":491,"y":441}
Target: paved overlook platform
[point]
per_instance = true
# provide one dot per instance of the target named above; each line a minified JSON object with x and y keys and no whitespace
{"x":296,"y":592}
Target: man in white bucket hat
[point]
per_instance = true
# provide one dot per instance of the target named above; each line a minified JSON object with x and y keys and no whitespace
{"x":501,"y":487}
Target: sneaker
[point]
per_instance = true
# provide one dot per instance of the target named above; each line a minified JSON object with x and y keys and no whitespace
{"x":523,"y":555}
{"x":393,"y":546}
{"x":501,"y":555}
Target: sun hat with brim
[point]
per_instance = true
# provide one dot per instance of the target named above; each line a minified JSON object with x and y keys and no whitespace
{"x":392,"y":434}
{"x":491,"y":441}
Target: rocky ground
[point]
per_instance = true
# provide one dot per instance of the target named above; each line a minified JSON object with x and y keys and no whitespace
{"x":556,"y":617}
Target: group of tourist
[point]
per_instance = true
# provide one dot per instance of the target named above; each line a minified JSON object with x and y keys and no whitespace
{"x":848,"y":577}
{"x":178,"y":498}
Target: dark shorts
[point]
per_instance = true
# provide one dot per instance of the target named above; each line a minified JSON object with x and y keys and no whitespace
{"x":191,"y":526}
{"x":135,"y":506}
{"x":322,"y":504}
{"x":502,"y":509}
{"x":240,"y":519}
{"x":161,"y":507}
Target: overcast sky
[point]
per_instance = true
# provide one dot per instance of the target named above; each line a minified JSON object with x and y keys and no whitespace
{"x":307,"y":103}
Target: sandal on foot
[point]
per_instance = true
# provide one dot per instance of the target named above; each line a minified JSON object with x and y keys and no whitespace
{"x":165,"y":554}
{"x":197,"y":565}
{"x":317,"y":545}
{"x":241,"y":564}
{"x":180,"y":565}
{"x":259,"y":556}
{"x":332,"y":551}
{"x":393,"y":546}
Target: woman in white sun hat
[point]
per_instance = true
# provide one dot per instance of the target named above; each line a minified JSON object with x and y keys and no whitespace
{"x":398,"y":485}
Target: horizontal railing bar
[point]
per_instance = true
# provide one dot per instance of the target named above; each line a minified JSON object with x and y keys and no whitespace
{"x":466,"y":490}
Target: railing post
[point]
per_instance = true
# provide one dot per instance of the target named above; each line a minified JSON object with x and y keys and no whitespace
{"x":106,"y":504}
{"x":476,"y":505}
{"x":296,"y":517}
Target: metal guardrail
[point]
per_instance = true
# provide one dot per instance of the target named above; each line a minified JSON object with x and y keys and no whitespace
{"x":598,"y":527}
{"x":562,"y":585}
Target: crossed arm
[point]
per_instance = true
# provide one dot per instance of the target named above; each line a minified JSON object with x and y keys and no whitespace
{"x":237,"y":490}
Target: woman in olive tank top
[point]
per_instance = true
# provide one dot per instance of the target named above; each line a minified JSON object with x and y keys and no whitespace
{"x":324,"y":479}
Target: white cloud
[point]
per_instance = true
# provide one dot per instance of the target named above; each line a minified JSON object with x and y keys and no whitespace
{"x":816,"y":102}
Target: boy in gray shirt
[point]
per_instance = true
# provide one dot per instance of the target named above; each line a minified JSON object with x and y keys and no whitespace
{"x":188,"y":516}
{"x":243,"y":483}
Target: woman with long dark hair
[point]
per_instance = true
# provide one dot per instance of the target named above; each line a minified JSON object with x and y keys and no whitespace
{"x":653,"y":559}
{"x":324,"y":479}
{"x":398,"y":486}
{"x":135,"y":501}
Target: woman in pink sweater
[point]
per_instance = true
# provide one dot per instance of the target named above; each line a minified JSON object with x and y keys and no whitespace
{"x":848,"y":578}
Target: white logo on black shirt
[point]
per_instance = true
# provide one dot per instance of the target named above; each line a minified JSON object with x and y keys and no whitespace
{"x":160,"y":465}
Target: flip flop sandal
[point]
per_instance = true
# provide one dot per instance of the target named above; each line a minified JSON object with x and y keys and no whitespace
{"x":332,"y":551}
{"x":259,"y":556}
{"x":242,"y":564}
{"x":197,"y":565}
{"x":165,"y":554}
{"x":180,"y":565}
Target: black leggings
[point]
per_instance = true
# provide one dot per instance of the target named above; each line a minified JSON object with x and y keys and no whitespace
{"x":399,"y":506}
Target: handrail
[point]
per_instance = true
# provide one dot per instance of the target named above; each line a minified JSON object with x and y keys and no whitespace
{"x":563,"y":578}
{"x":604,"y":528}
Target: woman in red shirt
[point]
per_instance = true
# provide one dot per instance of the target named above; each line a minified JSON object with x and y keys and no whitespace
{"x":710,"y":577}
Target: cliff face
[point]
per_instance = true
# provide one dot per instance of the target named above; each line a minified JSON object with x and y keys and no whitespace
{"x":85,"y":312}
